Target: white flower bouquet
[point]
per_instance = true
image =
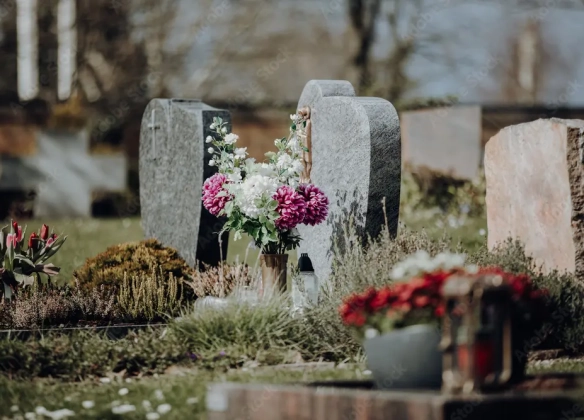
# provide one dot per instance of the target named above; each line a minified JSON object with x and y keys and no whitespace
{"x":264,"y":200}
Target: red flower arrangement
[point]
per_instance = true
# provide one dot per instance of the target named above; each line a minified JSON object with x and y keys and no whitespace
{"x":418,"y":301}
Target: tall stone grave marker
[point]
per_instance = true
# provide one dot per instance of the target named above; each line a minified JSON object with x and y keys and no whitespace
{"x":535,"y":191}
{"x":63,"y":174}
{"x":173,"y":167}
{"x":356,"y":160}
{"x":447,"y":140}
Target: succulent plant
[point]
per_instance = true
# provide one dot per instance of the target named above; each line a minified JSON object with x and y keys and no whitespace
{"x":20,"y":265}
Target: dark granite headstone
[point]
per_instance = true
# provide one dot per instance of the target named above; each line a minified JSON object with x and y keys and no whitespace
{"x":173,"y":167}
{"x":356,"y":161}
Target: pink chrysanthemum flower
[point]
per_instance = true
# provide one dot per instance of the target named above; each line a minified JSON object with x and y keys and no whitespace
{"x":212,"y":187}
{"x":291,"y":206}
{"x":316,"y":204}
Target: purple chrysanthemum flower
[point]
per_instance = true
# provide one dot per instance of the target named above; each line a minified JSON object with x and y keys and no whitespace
{"x":316,"y":204}
{"x":291,"y":207}
{"x":212,"y":187}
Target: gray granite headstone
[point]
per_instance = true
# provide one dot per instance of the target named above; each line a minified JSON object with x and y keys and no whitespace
{"x":447,"y":140}
{"x":173,"y":167}
{"x":356,"y":161}
{"x":63,"y":174}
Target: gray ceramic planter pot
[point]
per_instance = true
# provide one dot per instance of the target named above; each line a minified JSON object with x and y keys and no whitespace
{"x":406,"y":359}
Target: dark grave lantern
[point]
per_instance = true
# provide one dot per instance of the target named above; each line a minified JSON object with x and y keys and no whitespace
{"x":477,"y":335}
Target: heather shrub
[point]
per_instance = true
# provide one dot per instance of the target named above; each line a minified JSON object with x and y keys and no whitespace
{"x":150,"y":296}
{"x":358,"y":266}
{"x":565,"y":326}
{"x":220,"y":281}
{"x":49,"y":307}
{"x":135,"y":259}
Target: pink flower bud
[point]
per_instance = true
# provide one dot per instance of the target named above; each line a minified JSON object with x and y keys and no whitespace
{"x":50,"y":242}
{"x":33,"y":240}
{"x":19,"y":234}
{"x":11,"y":240}
{"x":44,"y":232}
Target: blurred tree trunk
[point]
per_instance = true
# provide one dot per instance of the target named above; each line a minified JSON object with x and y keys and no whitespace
{"x":363,"y":15}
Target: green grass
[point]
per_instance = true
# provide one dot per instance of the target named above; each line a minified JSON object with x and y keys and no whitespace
{"x":184,"y":391}
{"x":88,"y":237}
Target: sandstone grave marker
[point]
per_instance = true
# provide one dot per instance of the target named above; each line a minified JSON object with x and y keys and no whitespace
{"x":356,"y":160}
{"x":534,"y":174}
{"x":173,"y":167}
{"x":63,"y":174}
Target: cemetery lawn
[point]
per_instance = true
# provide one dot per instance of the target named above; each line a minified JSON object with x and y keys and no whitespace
{"x":88,"y":237}
{"x":184,"y":391}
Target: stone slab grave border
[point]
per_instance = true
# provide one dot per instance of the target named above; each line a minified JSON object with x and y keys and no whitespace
{"x":113,"y":332}
{"x":63,"y":174}
{"x":358,"y":400}
{"x":356,"y":161}
{"x":173,"y":166}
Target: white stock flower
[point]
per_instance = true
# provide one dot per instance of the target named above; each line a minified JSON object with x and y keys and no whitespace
{"x":240,"y":152}
{"x":252,"y":189}
{"x":209,"y":139}
{"x":210,"y":150}
{"x":212,"y":126}
{"x":123,"y":391}
{"x":294,"y":117}
{"x":296,"y":167}
{"x":152,"y":416}
{"x":295,"y":146}
{"x":234,"y":176}
{"x":231,"y":138}
{"x":265,"y":169}
{"x":224,"y":130}
{"x":284,"y":161}
{"x":211,"y":162}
